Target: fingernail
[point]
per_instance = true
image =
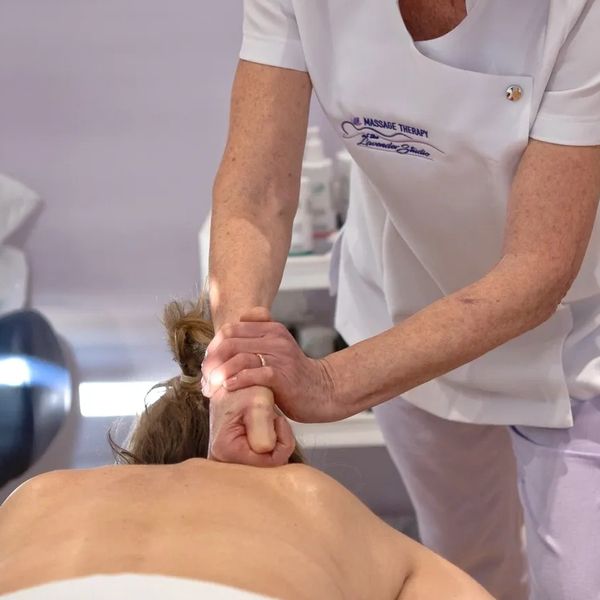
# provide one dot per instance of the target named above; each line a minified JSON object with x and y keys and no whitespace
{"x":229,"y":382}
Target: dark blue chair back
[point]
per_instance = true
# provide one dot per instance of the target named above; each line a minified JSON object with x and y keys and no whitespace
{"x":35,"y":390}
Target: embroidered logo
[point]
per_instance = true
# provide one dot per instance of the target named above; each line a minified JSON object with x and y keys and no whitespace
{"x":390,"y":136}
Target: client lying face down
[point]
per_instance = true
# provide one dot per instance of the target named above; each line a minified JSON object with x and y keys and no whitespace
{"x":173,"y":524}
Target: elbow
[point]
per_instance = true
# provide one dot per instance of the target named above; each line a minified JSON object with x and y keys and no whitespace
{"x":537,"y":286}
{"x":550,"y":296}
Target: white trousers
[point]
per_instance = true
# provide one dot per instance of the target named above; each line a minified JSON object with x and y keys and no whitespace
{"x":466,"y":482}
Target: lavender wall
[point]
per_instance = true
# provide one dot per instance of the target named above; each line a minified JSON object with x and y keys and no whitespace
{"x":115,"y":111}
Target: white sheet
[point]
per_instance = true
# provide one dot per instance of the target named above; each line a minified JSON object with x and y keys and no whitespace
{"x":148,"y":587}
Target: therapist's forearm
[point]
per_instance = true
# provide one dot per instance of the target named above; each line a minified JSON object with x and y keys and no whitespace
{"x":256,"y":189}
{"x":550,"y":215}
{"x":447,"y":334}
{"x":250,"y":237}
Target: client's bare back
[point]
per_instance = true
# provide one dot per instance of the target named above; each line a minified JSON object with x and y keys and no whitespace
{"x":289,"y":532}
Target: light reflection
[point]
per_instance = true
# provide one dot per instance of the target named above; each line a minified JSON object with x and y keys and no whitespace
{"x":115,"y":398}
{"x":23,"y":370}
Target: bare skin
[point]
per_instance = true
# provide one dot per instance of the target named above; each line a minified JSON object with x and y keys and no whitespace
{"x":286,"y":532}
{"x":430,"y":20}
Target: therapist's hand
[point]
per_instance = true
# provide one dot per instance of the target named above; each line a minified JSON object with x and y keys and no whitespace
{"x":246,"y":429}
{"x":303,"y":387}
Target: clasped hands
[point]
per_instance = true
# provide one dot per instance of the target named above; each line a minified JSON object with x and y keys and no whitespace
{"x":251,"y":369}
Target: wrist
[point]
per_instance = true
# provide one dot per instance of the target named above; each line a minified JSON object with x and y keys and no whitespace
{"x":226,"y":315}
{"x":220,"y":318}
{"x":354,"y":386}
{"x":341,"y":401}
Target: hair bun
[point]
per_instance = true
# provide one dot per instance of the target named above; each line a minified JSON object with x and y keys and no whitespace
{"x":189,"y":333}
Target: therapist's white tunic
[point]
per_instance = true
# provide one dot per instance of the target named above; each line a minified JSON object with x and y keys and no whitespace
{"x":436,"y":131}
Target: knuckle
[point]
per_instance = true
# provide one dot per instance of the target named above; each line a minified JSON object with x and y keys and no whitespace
{"x":227,"y":347}
{"x":262,"y":401}
{"x":262,"y":405}
{"x":282,"y":345}
{"x":248,"y":359}
{"x":217,"y":398}
{"x":281,"y":329}
{"x":210,"y":362}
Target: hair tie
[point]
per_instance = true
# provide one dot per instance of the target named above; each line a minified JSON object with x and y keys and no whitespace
{"x":191,"y":379}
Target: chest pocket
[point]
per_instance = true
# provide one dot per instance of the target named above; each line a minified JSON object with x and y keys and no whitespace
{"x":478,"y":100}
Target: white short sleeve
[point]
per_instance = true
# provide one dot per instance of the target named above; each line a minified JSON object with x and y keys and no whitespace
{"x":271,"y":34}
{"x":570,"y":110}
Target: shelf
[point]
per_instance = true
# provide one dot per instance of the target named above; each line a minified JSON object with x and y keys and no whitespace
{"x":309,"y":272}
{"x":306,"y":273}
{"x":359,"y":431}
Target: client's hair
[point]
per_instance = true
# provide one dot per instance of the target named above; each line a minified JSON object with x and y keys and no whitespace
{"x":175,"y":427}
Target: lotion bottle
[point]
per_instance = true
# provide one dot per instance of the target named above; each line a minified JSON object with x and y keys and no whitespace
{"x":302,"y":229}
{"x":317,"y":168}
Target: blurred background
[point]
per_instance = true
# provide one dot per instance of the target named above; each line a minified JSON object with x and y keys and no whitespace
{"x":114,"y":115}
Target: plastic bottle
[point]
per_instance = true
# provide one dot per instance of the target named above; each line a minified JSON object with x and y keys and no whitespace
{"x":343,"y":166}
{"x":318,"y":169}
{"x":302,"y":229}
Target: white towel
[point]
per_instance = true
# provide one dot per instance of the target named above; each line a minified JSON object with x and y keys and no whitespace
{"x":130,"y":586}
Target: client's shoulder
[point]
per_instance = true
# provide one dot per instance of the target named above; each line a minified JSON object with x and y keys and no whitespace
{"x":64,"y":481}
{"x":320,"y":491}
{"x":308,"y":479}
{"x":41,"y":483}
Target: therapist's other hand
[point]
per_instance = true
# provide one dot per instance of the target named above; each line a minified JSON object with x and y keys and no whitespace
{"x":245,"y":429}
{"x":303,"y":386}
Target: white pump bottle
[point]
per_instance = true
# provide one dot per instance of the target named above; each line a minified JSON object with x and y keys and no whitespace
{"x":302,"y":229}
{"x":317,"y":168}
